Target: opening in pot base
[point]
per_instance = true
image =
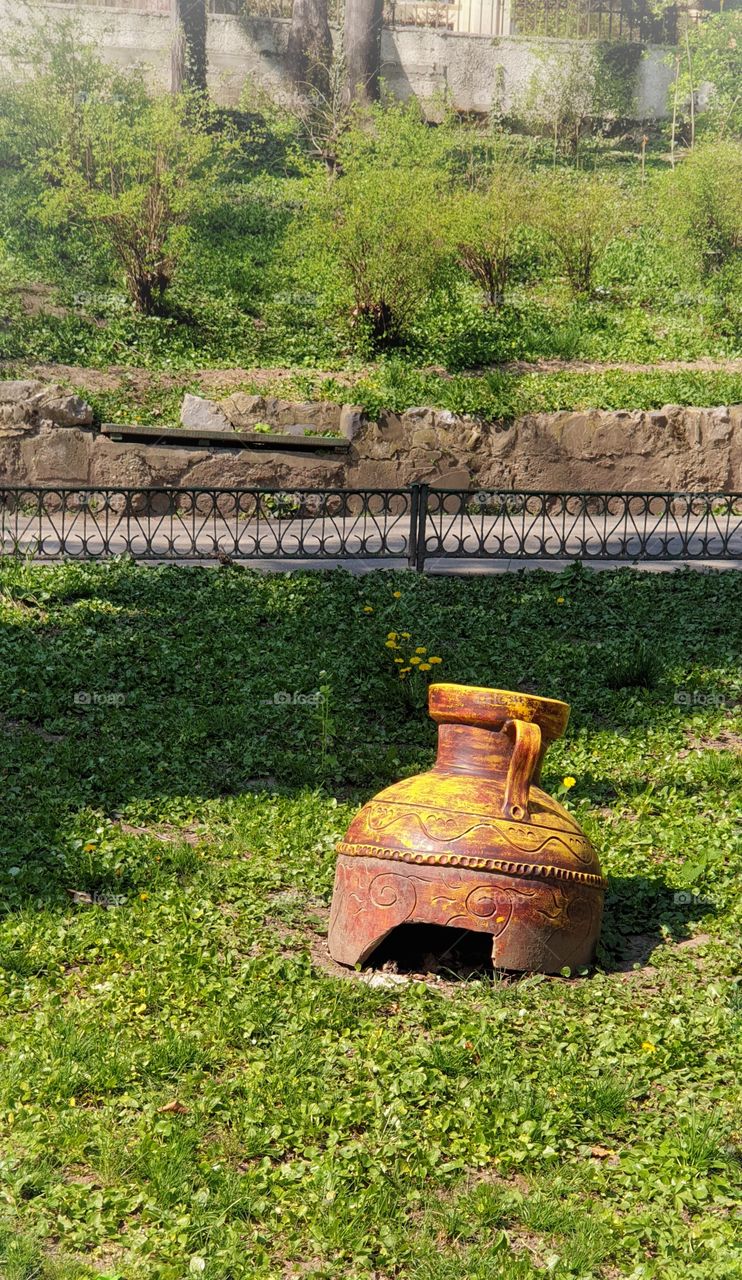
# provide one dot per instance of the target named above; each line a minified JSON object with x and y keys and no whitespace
{"x":436,"y":949}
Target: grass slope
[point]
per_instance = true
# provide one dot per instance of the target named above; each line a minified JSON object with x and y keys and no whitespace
{"x":184,"y":1090}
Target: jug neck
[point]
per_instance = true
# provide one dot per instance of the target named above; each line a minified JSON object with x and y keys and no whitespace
{"x":466,"y":749}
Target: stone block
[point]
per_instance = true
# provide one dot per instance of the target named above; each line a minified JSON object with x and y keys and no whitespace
{"x":718,"y":426}
{"x":352,"y":421}
{"x":735,"y":450}
{"x":242,"y":410}
{"x":57,"y":457}
{"x":456,"y":478}
{"x":63,"y":409}
{"x":14,"y":390}
{"x":203,"y":415}
{"x":424,"y":437}
{"x":128,"y":465}
{"x":390,"y":428}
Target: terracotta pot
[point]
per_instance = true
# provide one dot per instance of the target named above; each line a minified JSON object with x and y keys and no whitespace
{"x":474,"y":843}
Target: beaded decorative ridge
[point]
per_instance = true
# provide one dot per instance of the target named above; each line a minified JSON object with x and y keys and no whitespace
{"x":502,"y":865}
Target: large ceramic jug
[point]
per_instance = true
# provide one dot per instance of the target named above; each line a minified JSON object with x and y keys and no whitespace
{"x":474,"y":843}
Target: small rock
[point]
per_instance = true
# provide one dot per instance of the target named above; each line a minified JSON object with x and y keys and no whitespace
{"x":377,"y":979}
{"x":203,"y":415}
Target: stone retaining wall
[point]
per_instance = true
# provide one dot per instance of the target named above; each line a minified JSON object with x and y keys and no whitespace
{"x":47,"y":437}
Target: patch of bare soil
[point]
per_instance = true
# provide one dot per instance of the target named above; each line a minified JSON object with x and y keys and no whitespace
{"x":212,"y":382}
{"x":522,"y":1240}
{"x":698,"y":940}
{"x":223,"y":381}
{"x":19,"y":726}
{"x":636,"y":953}
{"x":725,"y":741}
{"x":705,"y":365}
{"x":168,"y":835}
{"x":37,"y":300}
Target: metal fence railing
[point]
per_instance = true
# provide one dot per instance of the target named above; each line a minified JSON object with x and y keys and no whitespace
{"x":624,"y":21}
{"x":418,"y":525}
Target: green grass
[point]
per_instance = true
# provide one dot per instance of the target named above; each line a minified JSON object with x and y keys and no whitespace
{"x":479,"y":1130}
{"x":395,"y":386}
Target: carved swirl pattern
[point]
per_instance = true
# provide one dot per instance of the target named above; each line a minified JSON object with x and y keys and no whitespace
{"x":446,"y":828}
{"x":390,"y":889}
{"x":503,"y":865}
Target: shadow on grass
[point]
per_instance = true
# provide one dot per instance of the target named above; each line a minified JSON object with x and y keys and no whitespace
{"x":641,"y":913}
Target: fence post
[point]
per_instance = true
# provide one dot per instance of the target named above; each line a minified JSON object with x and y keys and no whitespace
{"x":422,"y":515}
{"x":412,"y":540}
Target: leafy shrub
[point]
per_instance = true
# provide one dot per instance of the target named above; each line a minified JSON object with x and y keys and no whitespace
{"x":134,"y":173}
{"x":486,"y":228}
{"x":560,"y":100}
{"x":382,"y":228}
{"x":580,"y":215}
{"x":713,"y":66}
{"x":706,"y":205}
{"x":100,"y":158}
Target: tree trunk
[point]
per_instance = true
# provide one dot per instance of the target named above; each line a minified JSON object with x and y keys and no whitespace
{"x":310,"y":46}
{"x":362,"y":48}
{"x":188,"y":50}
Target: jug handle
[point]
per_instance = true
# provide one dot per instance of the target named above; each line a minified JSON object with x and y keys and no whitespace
{"x":526,"y":738}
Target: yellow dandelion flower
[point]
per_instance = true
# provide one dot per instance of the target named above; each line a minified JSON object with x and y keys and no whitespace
{"x":425,"y":666}
{"x":399,"y":661}
{"x":648,"y":1047}
{"x":421,"y":649}
{"x":391,"y":644}
{"x":415,"y":661}
{"x":397,"y":595}
{"x":391,"y":635}
{"x":568,"y":782}
{"x":367,"y":608}
{"x":434,"y":660}
{"x":405,"y":635}
{"x":560,"y":600}
{"x":144,"y":896}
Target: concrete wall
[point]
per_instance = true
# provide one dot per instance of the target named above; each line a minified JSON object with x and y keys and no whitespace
{"x":477,"y":72}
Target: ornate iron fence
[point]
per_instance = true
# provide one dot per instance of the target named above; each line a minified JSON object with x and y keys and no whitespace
{"x":418,"y":525}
